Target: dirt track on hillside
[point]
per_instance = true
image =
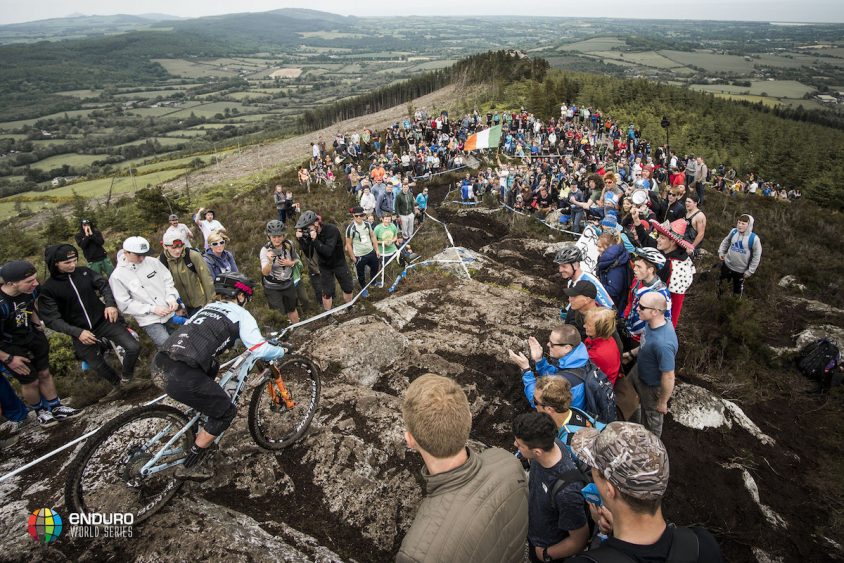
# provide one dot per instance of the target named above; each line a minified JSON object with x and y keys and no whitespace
{"x":296,"y":149}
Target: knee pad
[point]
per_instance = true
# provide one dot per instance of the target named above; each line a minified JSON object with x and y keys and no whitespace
{"x":217,"y":426}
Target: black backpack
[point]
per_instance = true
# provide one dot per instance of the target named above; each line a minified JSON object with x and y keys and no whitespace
{"x":818,"y":361}
{"x":598,"y":391}
{"x":186,"y":258}
{"x":685,"y":548}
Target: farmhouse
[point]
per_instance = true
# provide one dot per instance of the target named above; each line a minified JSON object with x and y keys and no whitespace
{"x":825,"y":99}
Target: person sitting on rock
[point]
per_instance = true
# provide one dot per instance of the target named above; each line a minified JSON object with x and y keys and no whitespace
{"x":476,"y":504}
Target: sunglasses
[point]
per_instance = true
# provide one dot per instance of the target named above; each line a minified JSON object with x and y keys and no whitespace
{"x":221,"y":243}
{"x":360,"y":215}
{"x":643,"y":308}
{"x":175,"y":244}
{"x":560,"y":344}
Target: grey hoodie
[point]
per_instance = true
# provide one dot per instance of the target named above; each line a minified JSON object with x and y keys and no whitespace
{"x":736,"y":252}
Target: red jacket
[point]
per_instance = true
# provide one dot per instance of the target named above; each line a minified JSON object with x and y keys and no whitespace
{"x":604,"y":353}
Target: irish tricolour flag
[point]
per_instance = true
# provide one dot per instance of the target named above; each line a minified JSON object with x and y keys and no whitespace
{"x":486,"y":139}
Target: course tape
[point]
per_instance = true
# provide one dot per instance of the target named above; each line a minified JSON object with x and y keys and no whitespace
{"x":403,"y":275}
{"x":540,"y":221}
{"x":451,"y":242}
{"x":429,"y":176}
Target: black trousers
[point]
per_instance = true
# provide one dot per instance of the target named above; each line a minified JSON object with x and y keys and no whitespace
{"x":197,"y":389}
{"x":93,"y":353}
{"x":362,"y":262}
{"x":736,"y":278}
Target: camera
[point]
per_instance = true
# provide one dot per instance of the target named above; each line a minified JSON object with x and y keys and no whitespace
{"x":306,"y":234}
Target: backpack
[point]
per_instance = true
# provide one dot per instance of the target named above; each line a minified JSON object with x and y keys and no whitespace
{"x":691,"y":232}
{"x":818,"y":361}
{"x":685,"y":548}
{"x":185,"y":257}
{"x":750,"y":240}
{"x":352,"y":232}
{"x":600,"y":397}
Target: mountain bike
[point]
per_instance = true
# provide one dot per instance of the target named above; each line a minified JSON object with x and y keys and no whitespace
{"x":129,"y":464}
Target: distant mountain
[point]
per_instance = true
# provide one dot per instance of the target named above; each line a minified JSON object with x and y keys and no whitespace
{"x":305,"y":14}
{"x":77,"y":26}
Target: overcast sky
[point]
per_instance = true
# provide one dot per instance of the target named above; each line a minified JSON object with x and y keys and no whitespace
{"x":755,"y":10}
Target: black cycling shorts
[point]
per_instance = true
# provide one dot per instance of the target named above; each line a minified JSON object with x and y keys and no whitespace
{"x":195,"y":388}
{"x":37,"y":349}
{"x":341,"y":273}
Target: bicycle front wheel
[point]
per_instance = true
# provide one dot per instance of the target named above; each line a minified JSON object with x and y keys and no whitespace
{"x":284,"y":403}
{"x":106,"y":475}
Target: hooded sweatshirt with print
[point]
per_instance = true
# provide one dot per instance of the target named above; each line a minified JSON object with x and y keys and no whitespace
{"x":736,"y":250}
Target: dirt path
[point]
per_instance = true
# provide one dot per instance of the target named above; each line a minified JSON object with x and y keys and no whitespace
{"x":296,"y":149}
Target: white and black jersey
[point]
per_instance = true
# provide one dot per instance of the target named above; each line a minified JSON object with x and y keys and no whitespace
{"x":213,"y":329}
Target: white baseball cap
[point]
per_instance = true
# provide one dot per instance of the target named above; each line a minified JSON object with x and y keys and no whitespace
{"x":136,"y":245}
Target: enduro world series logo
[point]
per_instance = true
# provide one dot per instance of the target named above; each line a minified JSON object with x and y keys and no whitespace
{"x":45,"y":525}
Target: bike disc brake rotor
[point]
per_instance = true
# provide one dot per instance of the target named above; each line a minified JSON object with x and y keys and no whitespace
{"x":132,"y":466}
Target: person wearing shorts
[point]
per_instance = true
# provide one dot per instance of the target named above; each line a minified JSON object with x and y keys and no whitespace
{"x":278,"y":259}
{"x":327,"y":242}
{"x":24,"y":349}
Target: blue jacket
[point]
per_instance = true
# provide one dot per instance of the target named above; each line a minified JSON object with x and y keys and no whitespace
{"x":577,"y":358}
{"x":612,"y":271}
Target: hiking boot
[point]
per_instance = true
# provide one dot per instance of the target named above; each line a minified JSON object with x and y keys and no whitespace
{"x":63,"y":412}
{"x":46,"y":419}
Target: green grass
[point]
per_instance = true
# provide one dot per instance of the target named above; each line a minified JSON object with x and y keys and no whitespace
{"x":711,"y":62}
{"x":165,"y":142}
{"x":186,"y":133}
{"x":645,"y":58}
{"x":193,"y":69}
{"x":82,"y":94}
{"x":594,"y":44}
{"x":37,"y":201}
{"x":148,"y":94}
{"x":9,"y":125}
{"x":770,"y":88}
{"x":71,"y":159}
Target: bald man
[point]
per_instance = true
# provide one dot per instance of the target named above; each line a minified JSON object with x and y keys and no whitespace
{"x":653,"y":374}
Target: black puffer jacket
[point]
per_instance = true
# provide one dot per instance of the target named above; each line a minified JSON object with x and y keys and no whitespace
{"x":70,"y":303}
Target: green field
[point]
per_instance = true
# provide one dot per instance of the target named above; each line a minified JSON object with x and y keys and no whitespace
{"x":164,"y":141}
{"x":711,"y":62}
{"x":770,"y":102}
{"x":329,"y":34}
{"x":82,"y":94}
{"x":37,"y":201}
{"x":645,"y":58}
{"x":186,"y":133}
{"x":594,"y":44}
{"x":769,"y":88}
{"x":71,"y":159}
{"x":192,"y":68}
{"x":9,"y":125}
{"x":148,"y":94}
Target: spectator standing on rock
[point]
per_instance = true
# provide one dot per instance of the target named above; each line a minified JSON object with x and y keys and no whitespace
{"x":362,"y":247}
{"x":278,"y":258}
{"x":630,"y":470}
{"x":206,"y":220}
{"x":653,"y":374}
{"x":78,"y":302}
{"x":558,"y":527}
{"x":218,"y":259}
{"x":475,"y":507}
{"x":24,"y":348}
{"x":740,"y":252}
{"x":181,"y":230}
{"x":143,"y":287}
{"x":327,"y":243}
{"x":386,"y":234}
{"x":91,"y":241}
{"x":190,"y":272}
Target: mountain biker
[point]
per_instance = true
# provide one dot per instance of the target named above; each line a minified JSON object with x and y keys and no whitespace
{"x":188,"y":361}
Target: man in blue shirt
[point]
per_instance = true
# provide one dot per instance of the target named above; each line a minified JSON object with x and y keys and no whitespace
{"x":653,"y":374}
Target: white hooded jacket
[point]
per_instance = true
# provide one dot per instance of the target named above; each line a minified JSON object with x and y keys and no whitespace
{"x":139,"y":288}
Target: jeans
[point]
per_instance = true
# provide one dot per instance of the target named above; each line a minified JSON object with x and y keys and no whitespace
{"x":158,"y":333}
{"x":577,"y":219}
{"x":736,"y":278}
{"x":93,"y":353}
{"x":361,"y":262}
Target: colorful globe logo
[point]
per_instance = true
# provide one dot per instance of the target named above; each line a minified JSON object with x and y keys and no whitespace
{"x":45,"y":525}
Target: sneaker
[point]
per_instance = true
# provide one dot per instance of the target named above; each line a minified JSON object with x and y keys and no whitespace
{"x":125,"y":380}
{"x":378,"y":284}
{"x":46,"y":419}
{"x":63,"y":412}
{"x":364,"y":294}
{"x":10,"y":428}
{"x":199,"y":472}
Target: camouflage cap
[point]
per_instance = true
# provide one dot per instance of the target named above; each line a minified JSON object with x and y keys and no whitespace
{"x":627,"y":455}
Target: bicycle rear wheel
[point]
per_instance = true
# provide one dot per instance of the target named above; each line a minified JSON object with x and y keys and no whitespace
{"x":105,"y":477}
{"x":272,"y":422}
